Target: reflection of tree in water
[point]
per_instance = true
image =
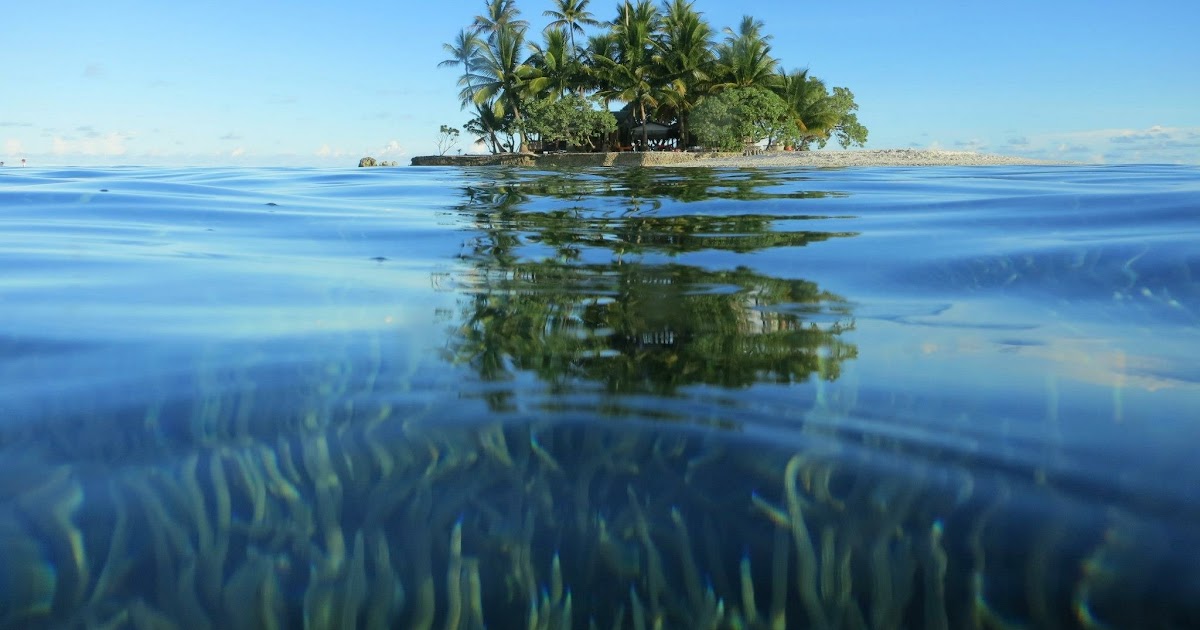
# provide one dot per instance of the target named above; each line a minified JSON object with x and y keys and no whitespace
{"x":540,"y":301}
{"x":643,"y":328}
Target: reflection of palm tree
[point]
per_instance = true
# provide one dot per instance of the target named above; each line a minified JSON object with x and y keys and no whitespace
{"x":635,"y":327}
{"x":639,"y":328}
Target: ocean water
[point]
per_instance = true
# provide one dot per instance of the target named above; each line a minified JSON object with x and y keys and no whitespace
{"x":679,"y":398}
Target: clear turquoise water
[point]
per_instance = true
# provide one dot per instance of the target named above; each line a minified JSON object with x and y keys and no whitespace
{"x":931,"y":397}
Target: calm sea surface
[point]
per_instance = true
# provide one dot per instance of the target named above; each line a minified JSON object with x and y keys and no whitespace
{"x":855,"y":398}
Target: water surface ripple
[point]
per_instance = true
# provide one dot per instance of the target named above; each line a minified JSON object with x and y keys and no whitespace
{"x":844,"y":398}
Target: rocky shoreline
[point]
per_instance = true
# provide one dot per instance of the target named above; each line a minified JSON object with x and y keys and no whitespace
{"x":770,"y":159}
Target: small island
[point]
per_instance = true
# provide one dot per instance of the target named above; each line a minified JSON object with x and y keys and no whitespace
{"x":657,"y":79}
{"x":717,"y":159}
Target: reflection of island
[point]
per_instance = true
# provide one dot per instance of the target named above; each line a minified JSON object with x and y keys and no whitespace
{"x":639,"y":328}
{"x":557,"y":288}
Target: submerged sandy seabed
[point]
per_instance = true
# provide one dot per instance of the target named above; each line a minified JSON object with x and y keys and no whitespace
{"x":879,"y":157}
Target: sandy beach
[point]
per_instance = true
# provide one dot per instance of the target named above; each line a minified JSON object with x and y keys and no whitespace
{"x":878,"y":157}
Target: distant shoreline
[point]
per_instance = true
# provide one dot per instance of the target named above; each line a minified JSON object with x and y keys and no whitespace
{"x":771,"y":159}
{"x":873,"y":157}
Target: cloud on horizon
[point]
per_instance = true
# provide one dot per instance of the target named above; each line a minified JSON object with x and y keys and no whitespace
{"x":392,"y":148}
{"x":974,"y":144}
{"x":327,"y":151}
{"x":1180,"y":145}
{"x":94,"y":144}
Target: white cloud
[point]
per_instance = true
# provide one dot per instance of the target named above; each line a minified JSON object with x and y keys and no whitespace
{"x":327,"y":151}
{"x":1157,"y":143}
{"x":13,"y":147}
{"x":392,"y":148}
{"x":974,"y":144}
{"x":112,"y":143}
{"x":238,"y":152}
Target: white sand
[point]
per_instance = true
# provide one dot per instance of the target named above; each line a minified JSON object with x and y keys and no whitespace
{"x":881,"y":157}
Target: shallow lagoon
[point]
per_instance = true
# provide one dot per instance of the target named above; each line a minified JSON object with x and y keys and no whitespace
{"x":868,"y":397}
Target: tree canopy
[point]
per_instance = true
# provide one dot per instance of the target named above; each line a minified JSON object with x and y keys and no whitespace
{"x":663,"y":61}
{"x":740,"y":116}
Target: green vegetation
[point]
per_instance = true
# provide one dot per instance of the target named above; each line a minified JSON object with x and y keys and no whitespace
{"x":741,"y":115}
{"x":663,"y":62}
{"x":571,"y":120}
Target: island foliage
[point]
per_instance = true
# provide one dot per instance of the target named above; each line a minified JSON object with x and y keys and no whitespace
{"x":656,"y":63}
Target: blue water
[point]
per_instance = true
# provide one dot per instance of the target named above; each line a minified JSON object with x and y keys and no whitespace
{"x":867,"y":397}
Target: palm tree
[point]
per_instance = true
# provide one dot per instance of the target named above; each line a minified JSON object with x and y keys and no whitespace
{"x":632,"y":75}
{"x":485,"y":125}
{"x":592,"y":73}
{"x":502,"y":78}
{"x":553,"y":61}
{"x":500,"y":13}
{"x":573,"y":16}
{"x":745,"y":56}
{"x":465,"y":52}
{"x":809,"y":105}
{"x":686,"y":59}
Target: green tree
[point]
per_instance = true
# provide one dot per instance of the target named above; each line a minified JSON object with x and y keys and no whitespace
{"x":662,"y":62}
{"x":465,"y":52}
{"x":740,"y":116}
{"x":571,"y":15}
{"x":848,"y":130}
{"x":498,"y":15}
{"x":553,"y":61}
{"x":571,"y":119}
{"x":447,"y":138}
{"x":488,"y":127}
{"x":744,"y":59}
{"x":809,"y":107}
{"x":632,"y":75}
{"x":818,"y":115}
{"x":503,"y":79}
{"x":594,"y":74}
{"x":686,"y":58}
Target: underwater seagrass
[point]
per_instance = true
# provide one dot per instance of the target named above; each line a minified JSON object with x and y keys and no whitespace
{"x":373,"y":519}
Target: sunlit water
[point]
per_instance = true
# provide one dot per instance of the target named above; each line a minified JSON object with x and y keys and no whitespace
{"x":858,"y":398}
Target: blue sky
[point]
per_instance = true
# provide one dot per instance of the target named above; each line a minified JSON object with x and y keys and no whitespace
{"x":307,"y":83}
